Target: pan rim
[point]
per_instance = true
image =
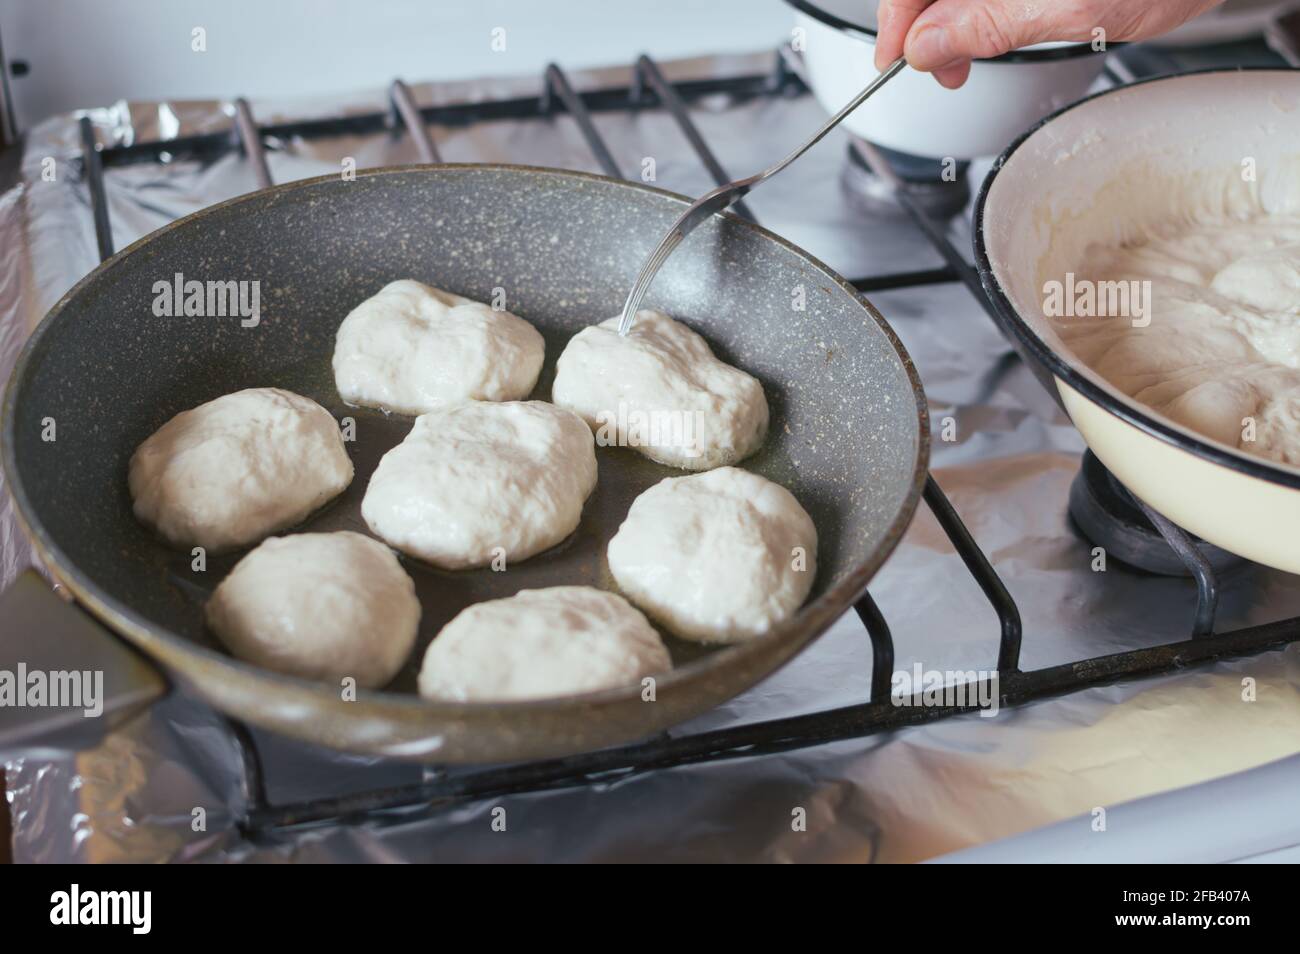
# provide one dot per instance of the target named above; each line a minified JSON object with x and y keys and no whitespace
{"x":1079,"y":377}
{"x":792,"y":636}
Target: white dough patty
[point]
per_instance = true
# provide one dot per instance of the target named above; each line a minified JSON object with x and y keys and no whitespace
{"x":413,"y":348}
{"x":319,"y":605}
{"x":660,"y":390}
{"x":233,"y":470}
{"x":718,"y":557}
{"x":540,"y":643}
{"x":479,"y":480}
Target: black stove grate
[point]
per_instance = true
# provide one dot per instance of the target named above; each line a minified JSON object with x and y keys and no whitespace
{"x":1013,"y":687}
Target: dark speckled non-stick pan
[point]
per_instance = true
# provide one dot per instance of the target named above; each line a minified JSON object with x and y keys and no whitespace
{"x":848,"y":433}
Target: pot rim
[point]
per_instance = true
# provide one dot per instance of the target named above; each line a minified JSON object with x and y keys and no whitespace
{"x":1077,"y":376}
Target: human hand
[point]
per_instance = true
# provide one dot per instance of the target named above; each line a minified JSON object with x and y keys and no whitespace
{"x":943,"y":36}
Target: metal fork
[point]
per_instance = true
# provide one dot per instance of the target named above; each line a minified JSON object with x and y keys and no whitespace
{"x":725,"y":196}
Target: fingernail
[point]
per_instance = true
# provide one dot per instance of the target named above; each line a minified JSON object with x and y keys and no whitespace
{"x":930,"y":48}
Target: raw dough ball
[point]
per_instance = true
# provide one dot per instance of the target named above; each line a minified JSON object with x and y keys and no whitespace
{"x":319,"y":605}
{"x":661,"y":391}
{"x":231,"y":471}
{"x":412,"y":348}
{"x":540,"y":643}
{"x":1268,"y":281}
{"x":476,"y":479}
{"x":718,"y":557}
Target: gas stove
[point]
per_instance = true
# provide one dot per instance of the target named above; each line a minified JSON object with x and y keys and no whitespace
{"x":1115,"y":646}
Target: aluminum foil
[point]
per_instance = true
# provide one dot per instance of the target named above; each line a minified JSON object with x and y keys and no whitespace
{"x":905,"y":796}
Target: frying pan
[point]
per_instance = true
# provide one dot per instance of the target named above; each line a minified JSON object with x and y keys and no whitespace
{"x":849,"y":434}
{"x":1074,"y":170}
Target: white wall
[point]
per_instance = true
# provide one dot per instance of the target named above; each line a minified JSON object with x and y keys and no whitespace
{"x":94,"y":52}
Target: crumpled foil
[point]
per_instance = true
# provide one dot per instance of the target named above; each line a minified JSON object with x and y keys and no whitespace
{"x":904,"y":796}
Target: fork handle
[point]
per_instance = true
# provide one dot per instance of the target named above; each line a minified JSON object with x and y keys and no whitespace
{"x":724,"y":196}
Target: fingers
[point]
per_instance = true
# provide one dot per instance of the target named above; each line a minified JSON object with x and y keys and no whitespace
{"x":943,"y":36}
{"x":951,"y":77}
{"x":953,"y":32}
{"x":893,"y":19}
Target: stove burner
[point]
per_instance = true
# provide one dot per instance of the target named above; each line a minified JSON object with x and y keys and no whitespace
{"x":1107,"y":515}
{"x":922,"y":178}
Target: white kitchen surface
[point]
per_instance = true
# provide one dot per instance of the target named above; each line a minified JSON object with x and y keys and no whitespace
{"x":1248,"y":817}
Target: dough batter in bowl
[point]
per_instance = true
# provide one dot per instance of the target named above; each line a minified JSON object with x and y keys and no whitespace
{"x":413,"y":348}
{"x":325,"y":606}
{"x":542,"y":643}
{"x":720,"y":557}
{"x":1207,"y":328}
{"x":661,"y":391}
{"x":483,"y":483}
{"x":235,"y":469}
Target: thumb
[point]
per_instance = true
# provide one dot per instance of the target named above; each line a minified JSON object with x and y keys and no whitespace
{"x":956,"y":31}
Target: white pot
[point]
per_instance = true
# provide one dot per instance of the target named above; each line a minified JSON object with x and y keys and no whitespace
{"x":914,"y":114}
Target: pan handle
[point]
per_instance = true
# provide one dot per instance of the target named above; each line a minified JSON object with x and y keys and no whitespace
{"x":65,"y":681}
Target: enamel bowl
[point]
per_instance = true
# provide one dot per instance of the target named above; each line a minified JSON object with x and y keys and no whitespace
{"x":1076,"y":169}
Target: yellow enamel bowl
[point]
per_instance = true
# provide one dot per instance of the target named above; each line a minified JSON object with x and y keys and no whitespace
{"x":1054,"y":176}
